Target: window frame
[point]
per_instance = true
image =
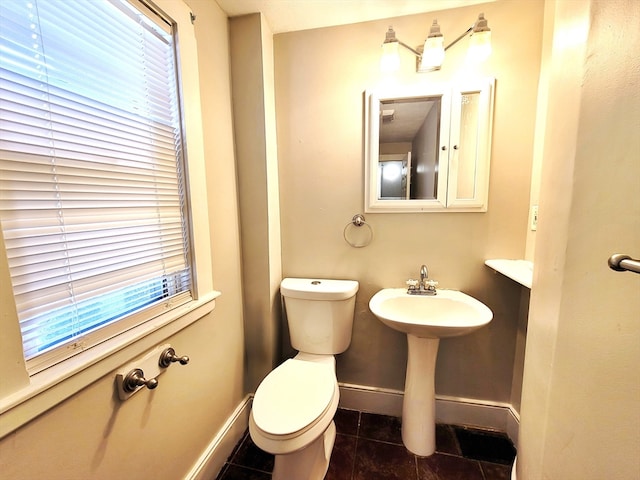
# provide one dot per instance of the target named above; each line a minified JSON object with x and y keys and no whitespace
{"x":23,"y":397}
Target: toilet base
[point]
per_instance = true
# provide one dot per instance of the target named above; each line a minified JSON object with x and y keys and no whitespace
{"x":310,"y":463}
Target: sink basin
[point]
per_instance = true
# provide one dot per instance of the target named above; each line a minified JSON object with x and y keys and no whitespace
{"x":425,"y":319}
{"x":448,"y":314}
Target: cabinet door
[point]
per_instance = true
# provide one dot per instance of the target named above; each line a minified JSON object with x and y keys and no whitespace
{"x":470,"y":146}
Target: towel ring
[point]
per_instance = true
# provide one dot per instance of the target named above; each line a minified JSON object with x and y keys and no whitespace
{"x":358,"y":221}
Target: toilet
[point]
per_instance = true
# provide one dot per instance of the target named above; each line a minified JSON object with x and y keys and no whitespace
{"x":293,"y":407}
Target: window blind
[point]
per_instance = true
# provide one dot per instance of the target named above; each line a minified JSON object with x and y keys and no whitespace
{"x":92,"y":199}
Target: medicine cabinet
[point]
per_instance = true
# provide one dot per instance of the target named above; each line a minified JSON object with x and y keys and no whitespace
{"x":428,"y":148}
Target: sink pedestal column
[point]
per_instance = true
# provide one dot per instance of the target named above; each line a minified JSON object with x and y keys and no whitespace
{"x":419,"y":404}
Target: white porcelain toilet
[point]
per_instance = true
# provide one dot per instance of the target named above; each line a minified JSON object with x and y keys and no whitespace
{"x":293,"y":408}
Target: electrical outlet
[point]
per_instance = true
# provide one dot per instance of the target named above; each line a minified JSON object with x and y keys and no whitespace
{"x":534,"y":217}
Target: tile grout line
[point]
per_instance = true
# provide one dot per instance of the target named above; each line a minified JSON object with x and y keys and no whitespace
{"x":355,"y":450}
{"x":484,"y":476}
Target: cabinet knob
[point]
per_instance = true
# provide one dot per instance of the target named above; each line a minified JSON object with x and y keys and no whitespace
{"x":455,"y":147}
{"x":444,"y":147}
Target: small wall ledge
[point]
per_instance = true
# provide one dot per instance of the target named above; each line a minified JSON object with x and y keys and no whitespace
{"x":520,"y":271}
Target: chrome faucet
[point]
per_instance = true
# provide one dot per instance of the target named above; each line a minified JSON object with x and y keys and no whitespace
{"x":424,"y":274}
{"x":424,"y":286}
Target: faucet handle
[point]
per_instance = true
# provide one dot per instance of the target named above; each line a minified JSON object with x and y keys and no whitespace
{"x":430,"y":284}
{"x":412,"y":284}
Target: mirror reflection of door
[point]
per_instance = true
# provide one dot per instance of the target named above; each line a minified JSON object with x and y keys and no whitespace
{"x":408,"y":148}
{"x":395,"y":176}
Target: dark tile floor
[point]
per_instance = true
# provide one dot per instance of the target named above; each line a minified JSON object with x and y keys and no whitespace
{"x":369,"y":447}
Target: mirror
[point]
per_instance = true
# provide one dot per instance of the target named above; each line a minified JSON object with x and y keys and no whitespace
{"x":408,"y":148}
{"x":427,"y":149}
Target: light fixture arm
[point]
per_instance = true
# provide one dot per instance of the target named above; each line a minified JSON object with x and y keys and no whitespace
{"x":415,"y":52}
{"x":469,"y":30}
{"x":391,"y":38}
{"x":419,"y":55}
{"x":480,"y":25}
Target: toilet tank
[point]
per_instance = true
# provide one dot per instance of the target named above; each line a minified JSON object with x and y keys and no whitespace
{"x":319,"y":313}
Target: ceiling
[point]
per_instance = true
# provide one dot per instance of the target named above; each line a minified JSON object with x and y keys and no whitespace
{"x":401,"y":119}
{"x":291,"y":15}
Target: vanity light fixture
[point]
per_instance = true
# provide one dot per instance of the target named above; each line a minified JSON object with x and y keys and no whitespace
{"x":429,"y":57}
{"x":480,"y":41}
{"x":390,"y":60}
{"x":433,"y":50}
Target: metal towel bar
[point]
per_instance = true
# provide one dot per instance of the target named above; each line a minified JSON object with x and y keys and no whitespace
{"x":622,"y":263}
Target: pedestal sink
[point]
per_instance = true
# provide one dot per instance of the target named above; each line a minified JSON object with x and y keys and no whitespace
{"x":425,"y":319}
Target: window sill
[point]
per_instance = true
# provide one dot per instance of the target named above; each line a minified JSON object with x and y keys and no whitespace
{"x":52,"y":386}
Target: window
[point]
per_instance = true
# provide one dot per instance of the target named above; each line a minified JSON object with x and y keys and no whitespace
{"x":92,"y":180}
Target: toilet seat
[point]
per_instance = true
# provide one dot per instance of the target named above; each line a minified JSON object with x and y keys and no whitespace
{"x":293,"y":398}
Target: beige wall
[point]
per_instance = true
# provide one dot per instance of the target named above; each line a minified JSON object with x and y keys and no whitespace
{"x":256,"y":152}
{"x":580,"y":404}
{"x":161,"y":434}
{"x":581,"y":394}
{"x":320,"y":78}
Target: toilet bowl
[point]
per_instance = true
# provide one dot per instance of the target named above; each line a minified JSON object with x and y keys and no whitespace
{"x":293,"y":407}
{"x":292,"y":416}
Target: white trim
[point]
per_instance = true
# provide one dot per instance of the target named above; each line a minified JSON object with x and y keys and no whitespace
{"x":453,"y":410}
{"x":383,"y":401}
{"x":479,"y":413}
{"x":513,"y":425}
{"x":215,"y":455}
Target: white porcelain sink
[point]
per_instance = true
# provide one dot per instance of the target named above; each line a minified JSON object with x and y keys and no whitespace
{"x":425,"y":319}
{"x":448,"y":314}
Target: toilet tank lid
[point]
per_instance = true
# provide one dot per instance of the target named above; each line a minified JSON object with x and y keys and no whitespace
{"x":318,"y":288}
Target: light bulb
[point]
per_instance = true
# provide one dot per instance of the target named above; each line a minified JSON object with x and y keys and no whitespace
{"x":390,"y":60}
{"x":433,"y":51}
{"x":433,"y":54}
{"x":480,"y":42}
{"x":479,"y":46}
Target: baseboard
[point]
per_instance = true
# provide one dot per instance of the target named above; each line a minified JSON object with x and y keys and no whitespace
{"x":382,"y":401}
{"x":513,"y":425}
{"x":453,"y":410}
{"x":218,"y":451}
{"x":479,"y":413}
